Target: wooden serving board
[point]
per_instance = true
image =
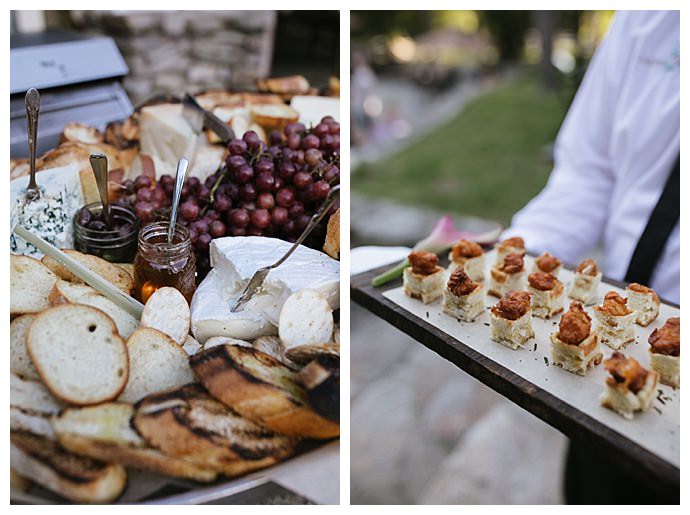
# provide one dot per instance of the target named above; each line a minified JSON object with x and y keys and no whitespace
{"x":648,"y":446}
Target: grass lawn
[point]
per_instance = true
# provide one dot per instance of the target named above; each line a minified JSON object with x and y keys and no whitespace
{"x":488,"y":161}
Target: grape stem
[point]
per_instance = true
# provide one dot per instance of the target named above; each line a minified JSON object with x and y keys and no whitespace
{"x":212,"y":195}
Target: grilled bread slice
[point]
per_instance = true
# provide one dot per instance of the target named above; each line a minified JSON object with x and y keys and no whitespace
{"x":20,"y":362}
{"x":305,"y":354}
{"x":188,"y":423}
{"x":78,"y":354}
{"x":105,"y":432}
{"x":110,"y":272}
{"x":76,"y":478}
{"x":31,"y":406}
{"x":321,"y":379}
{"x":30,"y":285}
{"x":156,"y":363}
{"x":332,"y":244}
{"x":260,"y":388}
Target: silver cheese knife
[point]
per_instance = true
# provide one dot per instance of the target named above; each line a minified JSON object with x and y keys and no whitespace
{"x":197,"y":117}
{"x":260,"y":275}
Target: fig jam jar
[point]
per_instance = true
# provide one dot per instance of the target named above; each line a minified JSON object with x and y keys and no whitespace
{"x":117,"y":244}
{"x":159,"y":263}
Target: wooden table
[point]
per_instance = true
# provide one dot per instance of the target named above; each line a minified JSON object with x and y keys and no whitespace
{"x":576,"y":425}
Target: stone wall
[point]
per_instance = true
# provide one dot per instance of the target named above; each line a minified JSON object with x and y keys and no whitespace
{"x":178,"y":51}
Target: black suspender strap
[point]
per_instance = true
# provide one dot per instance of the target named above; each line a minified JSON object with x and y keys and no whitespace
{"x":653,"y":240}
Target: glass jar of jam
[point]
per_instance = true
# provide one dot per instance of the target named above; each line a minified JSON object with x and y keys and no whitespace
{"x":117,"y":244}
{"x":159,"y":263}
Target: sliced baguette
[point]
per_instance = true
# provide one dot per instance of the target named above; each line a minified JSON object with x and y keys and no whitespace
{"x":306,"y":318}
{"x":225,"y":340}
{"x":31,"y":407}
{"x":260,"y":388}
{"x":191,"y":346}
{"x":78,"y":354}
{"x":20,"y":362}
{"x":30,"y":285}
{"x":73,"y":477}
{"x":168,"y":311}
{"x":156,"y":363}
{"x":80,"y":133}
{"x":274,"y":116}
{"x":105,"y":432}
{"x":109,"y":271}
{"x":188,"y":423}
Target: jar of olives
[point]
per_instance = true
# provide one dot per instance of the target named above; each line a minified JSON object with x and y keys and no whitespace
{"x":118,"y":243}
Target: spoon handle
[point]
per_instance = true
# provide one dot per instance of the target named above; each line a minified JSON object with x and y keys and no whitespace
{"x":179,"y":181}
{"x":99,"y":165}
{"x":33,"y":104}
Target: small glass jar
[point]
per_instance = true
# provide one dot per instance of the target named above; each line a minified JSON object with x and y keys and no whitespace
{"x":159,"y":263}
{"x":116,"y":246}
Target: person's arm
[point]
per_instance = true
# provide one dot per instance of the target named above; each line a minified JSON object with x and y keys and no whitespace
{"x":569,"y":215}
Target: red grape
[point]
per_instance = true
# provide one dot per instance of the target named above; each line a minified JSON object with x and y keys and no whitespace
{"x":145,"y":194}
{"x":289,"y":228}
{"x":252,"y":140}
{"x":321,"y":129}
{"x":203,"y":242}
{"x":239,"y":218}
{"x":301,"y":180}
{"x":328,"y":119}
{"x":260,"y":218}
{"x":237,"y":147}
{"x":294,"y":128}
{"x":244,"y":174}
{"x":331,"y":174}
{"x":217,"y":229}
{"x":247,"y":192}
{"x":222,"y":203}
{"x":265,"y":201}
{"x":285,"y":197}
{"x":254,"y":231}
{"x":144,"y":210}
{"x":312,"y":156}
{"x":301,"y":222}
{"x":235,"y":162}
{"x":296,"y":209}
{"x":265,"y":182}
{"x":275,"y":137}
{"x":286,"y":170}
{"x":199,"y":226}
{"x":310,"y":141}
{"x":238,"y":231}
{"x":294,"y":141}
{"x":264,"y":166}
{"x":279,"y":215}
{"x":334,"y":128}
{"x":165,"y":180}
{"x":189,"y":210}
{"x":193,"y":235}
{"x":143,"y":181}
{"x":194,"y":183}
{"x":321,"y":189}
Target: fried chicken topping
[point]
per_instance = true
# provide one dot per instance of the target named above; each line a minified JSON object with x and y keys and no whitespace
{"x":515,"y":241}
{"x":423,"y":263}
{"x":513,"y":305}
{"x":626,"y":372}
{"x":460,"y":283}
{"x":575,"y":324}
{"x":588,"y":267}
{"x":513,"y":263}
{"x":466,"y":249}
{"x":614,"y":305}
{"x":640,"y":288}
{"x":547,"y":263}
{"x":543,"y":281}
{"x":667,"y":339}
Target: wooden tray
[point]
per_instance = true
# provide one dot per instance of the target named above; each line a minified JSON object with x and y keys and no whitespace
{"x":593,"y":427}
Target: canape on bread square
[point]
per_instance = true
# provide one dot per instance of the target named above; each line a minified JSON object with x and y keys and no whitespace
{"x":508,"y":276}
{"x":469,"y":255}
{"x":548,"y":294}
{"x":630,"y":387}
{"x":463,"y":298}
{"x":586,"y":282}
{"x":575,"y":347}
{"x":616,"y":322}
{"x":515,"y":245}
{"x":545,"y":262}
{"x":644,"y":302}
{"x":664,"y":352}
{"x":424,"y":278}
{"x":511,"y":320}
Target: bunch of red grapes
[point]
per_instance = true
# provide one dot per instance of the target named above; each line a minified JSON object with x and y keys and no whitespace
{"x":261,"y":190}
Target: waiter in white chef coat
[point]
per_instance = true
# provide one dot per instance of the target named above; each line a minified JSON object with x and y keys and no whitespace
{"x":616,"y":181}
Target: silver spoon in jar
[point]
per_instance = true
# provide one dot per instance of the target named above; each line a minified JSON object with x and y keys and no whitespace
{"x":33,"y":105}
{"x":179,"y":181}
{"x":99,"y":165}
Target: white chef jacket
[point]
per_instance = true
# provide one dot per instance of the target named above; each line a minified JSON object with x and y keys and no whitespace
{"x":614,"y":153}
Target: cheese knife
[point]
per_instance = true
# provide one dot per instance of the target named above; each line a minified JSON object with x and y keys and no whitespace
{"x":197,"y":117}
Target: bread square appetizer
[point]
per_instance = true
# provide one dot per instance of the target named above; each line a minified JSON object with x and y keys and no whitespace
{"x":424,"y":279}
{"x":463,"y":298}
{"x":575,"y":347}
{"x":585,"y":287}
{"x":616,"y":322}
{"x":469,"y":255}
{"x":644,"y":302}
{"x":508,"y":276}
{"x":547,"y":263}
{"x":515,"y":245}
{"x":548,"y":294}
{"x":664,"y":352}
{"x":511,"y":320}
{"x":630,"y":387}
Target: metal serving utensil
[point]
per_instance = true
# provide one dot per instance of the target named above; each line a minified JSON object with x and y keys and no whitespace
{"x":197,"y":117}
{"x":33,"y":106}
{"x":179,"y":181}
{"x":260,"y":275}
{"x":99,"y":165}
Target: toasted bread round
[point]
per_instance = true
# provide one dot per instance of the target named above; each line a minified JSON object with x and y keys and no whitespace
{"x":168,"y":311}
{"x":156,"y":363}
{"x":78,"y":353}
{"x":191,"y":346}
{"x":78,"y":132}
{"x":306,"y":318}
{"x":110,"y":272}
{"x":274,"y":116}
{"x":331,"y":245}
{"x":20,"y":362}
{"x":30,"y":285}
{"x":225,"y":340}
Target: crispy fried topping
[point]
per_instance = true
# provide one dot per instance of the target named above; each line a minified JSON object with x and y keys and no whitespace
{"x":640,"y":288}
{"x":667,"y":339}
{"x":515,"y":241}
{"x":543,"y":281}
{"x":466,"y":249}
{"x":513,"y":263}
{"x":547,"y":263}
{"x":513,"y":305}
{"x":460,"y":283}
{"x":588,"y":267}
{"x":423,"y":263}
{"x":626,"y":372}
{"x":614,"y":305}
{"x":575,"y":324}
